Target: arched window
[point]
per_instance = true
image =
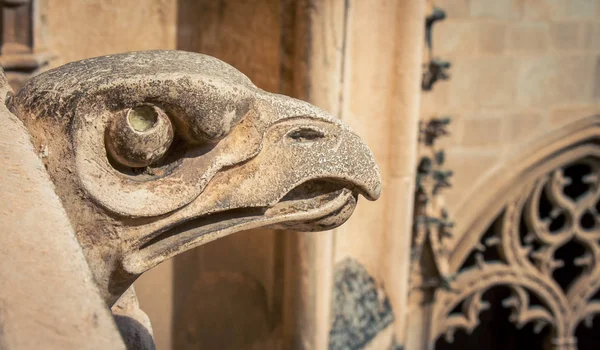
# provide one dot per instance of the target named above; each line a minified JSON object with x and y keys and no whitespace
{"x":526,"y":268}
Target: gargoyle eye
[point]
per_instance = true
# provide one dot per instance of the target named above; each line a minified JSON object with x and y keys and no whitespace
{"x":139,"y":136}
{"x":305,"y":134}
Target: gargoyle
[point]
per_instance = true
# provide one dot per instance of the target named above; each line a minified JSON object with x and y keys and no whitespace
{"x":153,"y":153}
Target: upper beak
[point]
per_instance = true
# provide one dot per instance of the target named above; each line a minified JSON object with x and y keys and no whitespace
{"x":302,"y":144}
{"x":340,"y":154}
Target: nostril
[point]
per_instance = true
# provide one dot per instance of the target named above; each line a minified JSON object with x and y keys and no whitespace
{"x":306,"y":134}
{"x":8,"y":100}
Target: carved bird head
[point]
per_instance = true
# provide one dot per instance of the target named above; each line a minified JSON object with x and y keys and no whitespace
{"x":157,"y":152}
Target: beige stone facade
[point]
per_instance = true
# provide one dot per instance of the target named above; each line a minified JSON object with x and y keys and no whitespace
{"x":523,"y":97}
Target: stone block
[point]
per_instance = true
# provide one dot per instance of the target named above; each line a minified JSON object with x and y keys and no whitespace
{"x":566,"y":36}
{"x":560,"y":9}
{"x":528,"y":38}
{"x":567,"y":114}
{"x":544,"y":9}
{"x":523,"y":126}
{"x":581,"y":9}
{"x":484,"y":82}
{"x":455,"y":38}
{"x":437,"y":100}
{"x":469,"y":166}
{"x":591,"y":39}
{"x":454,"y":8}
{"x":549,"y":80}
{"x":596,"y":80}
{"x":482,"y":132}
{"x":102,"y":27}
{"x":498,"y":9}
{"x":492,"y":37}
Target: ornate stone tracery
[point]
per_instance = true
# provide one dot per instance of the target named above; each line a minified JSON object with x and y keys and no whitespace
{"x":543,"y":246}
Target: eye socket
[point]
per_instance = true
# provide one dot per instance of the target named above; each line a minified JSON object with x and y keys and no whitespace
{"x":305,"y":134}
{"x":139,"y":137}
{"x":142,"y":118}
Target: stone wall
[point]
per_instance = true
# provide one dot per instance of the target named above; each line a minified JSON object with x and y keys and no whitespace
{"x":520,"y":69}
{"x":75,"y":30}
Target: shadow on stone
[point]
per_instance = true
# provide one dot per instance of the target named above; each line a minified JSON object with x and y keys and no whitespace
{"x":134,"y":334}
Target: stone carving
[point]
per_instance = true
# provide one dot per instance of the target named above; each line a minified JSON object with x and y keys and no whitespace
{"x":434,"y":69}
{"x":437,"y":14}
{"x":360,"y":308}
{"x":543,"y":247}
{"x":432,"y":225}
{"x":154,"y":153}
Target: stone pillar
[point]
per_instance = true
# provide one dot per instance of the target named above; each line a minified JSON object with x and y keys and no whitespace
{"x":313,"y":35}
{"x":402,"y":162}
{"x":240,"y":269}
{"x":308,"y":277}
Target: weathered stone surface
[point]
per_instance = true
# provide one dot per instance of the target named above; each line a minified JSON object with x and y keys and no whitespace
{"x":100,"y":27}
{"x":582,"y":9}
{"x":544,"y":9}
{"x":455,"y":8}
{"x":499,"y":9}
{"x":470,"y":166}
{"x":225,"y":294}
{"x":455,"y":37}
{"x":489,"y":82}
{"x":492,"y":37}
{"x":524,"y":125}
{"x":483,"y":132}
{"x":48,"y":298}
{"x":560,"y":9}
{"x":548,"y":80}
{"x":565,"y":36}
{"x":134,"y":325}
{"x":592,"y":36}
{"x":360,"y":308}
{"x":227,"y":157}
{"x":529,"y":38}
{"x":567,"y":114}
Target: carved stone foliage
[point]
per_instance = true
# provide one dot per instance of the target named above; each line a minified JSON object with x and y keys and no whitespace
{"x":544,"y":248}
{"x":360,"y":308}
{"x":434,"y":69}
{"x":432,"y":225}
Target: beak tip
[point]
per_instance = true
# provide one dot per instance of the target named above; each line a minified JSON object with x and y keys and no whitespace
{"x":373,"y":190}
{"x":376,"y":191}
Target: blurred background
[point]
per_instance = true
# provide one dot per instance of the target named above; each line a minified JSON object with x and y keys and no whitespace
{"x":483,"y":118}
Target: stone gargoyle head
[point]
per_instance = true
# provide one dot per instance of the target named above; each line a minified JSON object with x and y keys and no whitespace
{"x":153,"y":153}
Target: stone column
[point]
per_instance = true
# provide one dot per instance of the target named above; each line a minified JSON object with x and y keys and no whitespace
{"x":312,"y":43}
{"x":402,"y":162}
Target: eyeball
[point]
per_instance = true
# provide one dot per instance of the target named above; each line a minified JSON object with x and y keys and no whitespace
{"x":139,"y":137}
